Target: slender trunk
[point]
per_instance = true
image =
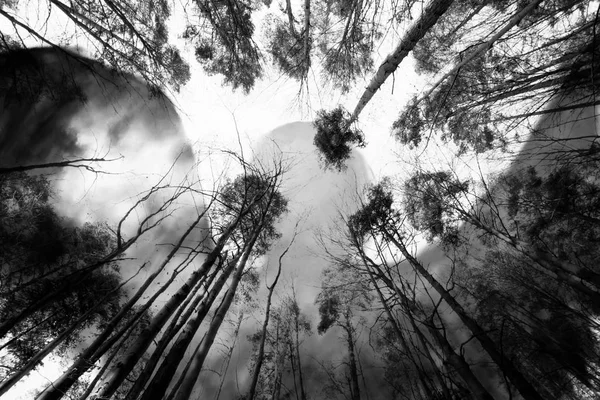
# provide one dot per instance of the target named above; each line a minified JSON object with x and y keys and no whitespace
{"x":300,"y":377}
{"x":403,"y":342}
{"x":306,"y":58}
{"x":40,"y":355}
{"x":161,"y":380}
{"x":228,"y":357}
{"x":263,"y":338}
{"x":288,"y":10}
{"x":460,"y":365}
{"x":457,"y":361}
{"x":104,"y":368}
{"x":514,"y":375}
{"x":177,"y":384}
{"x":177,"y":322}
{"x":89,"y":357}
{"x":354,"y":385}
{"x":124,"y":367}
{"x":428,"y":18}
{"x":293,"y":365}
{"x":518,"y":17}
{"x":192,"y":374}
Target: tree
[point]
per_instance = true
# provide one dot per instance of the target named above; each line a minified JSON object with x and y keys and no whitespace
{"x":228,"y":48}
{"x":129,"y":36}
{"x":377,"y":217}
{"x":263,"y":334}
{"x":268,"y":206}
{"x":42,"y":251}
{"x":333,"y":127}
{"x":341,"y":298}
{"x":489,"y":91}
{"x":333,"y":138}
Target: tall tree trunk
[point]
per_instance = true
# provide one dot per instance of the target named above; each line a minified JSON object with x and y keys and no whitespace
{"x":354,"y":385}
{"x":460,"y":365}
{"x":263,"y":338}
{"x":396,"y":327}
{"x":124,"y":367}
{"x":160,"y":382}
{"x":228,"y":356}
{"x":89,"y":357}
{"x":518,"y":17}
{"x":177,"y":322}
{"x":514,"y":375}
{"x":428,"y":18}
{"x":300,"y":377}
{"x":191,"y":376}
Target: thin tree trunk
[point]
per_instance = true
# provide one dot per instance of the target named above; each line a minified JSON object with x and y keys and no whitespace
{"x":428,"y":18}
{"x":160,"y":382}
{"x":261,"y":348}
{"x":306,"y":57}
{"x":175,"y":326}
{"x":124,"y":367}
{"x":228,"y":357}
{"x":354,"y":385}
{"x":460,"y":365}
{"x":481,"y":49}
{"x":93,"y":352}
{"x":514,"y":375}
{"x":191,"y":376}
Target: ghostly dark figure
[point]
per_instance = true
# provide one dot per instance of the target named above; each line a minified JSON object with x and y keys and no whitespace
{"x":122,"y":136}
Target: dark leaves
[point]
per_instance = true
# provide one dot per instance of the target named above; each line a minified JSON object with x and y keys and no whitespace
{"x":335,"y":137}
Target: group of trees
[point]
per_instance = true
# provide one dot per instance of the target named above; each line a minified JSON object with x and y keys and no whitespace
{"x":513,"y":312}
{"x":514,"y":309}
{"x":59,"y":280}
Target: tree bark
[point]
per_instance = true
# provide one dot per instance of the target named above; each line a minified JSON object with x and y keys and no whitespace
{"x":175,"y":326}
{"x":428,"y":18}
{"x":124,"y":367}
{"x":89,"y":357}
{"x":261,"y":348}
{"x":514,"y":375}
{"x":161,"y":380}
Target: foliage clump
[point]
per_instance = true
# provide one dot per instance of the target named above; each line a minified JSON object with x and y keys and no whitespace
{"x":335,"y":137}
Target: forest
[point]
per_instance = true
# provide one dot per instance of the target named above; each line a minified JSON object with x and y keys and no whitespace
{"x":429,"y":231}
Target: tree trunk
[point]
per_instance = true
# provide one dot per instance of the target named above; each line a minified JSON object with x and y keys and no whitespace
{"x":428,"y":18}
{"x":514,"y":375}
{"x":518,"y":17}
{"x":192,"y":374}
{"x":89,"y":357}
{"x":177,"y":322}
{"x":228,"y":357}
{"x":261,"y":348}
{"x":124,"y":367}
{"x":161,"y":380}
{"x":354,"y":385}
{"x":460,"y":365}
